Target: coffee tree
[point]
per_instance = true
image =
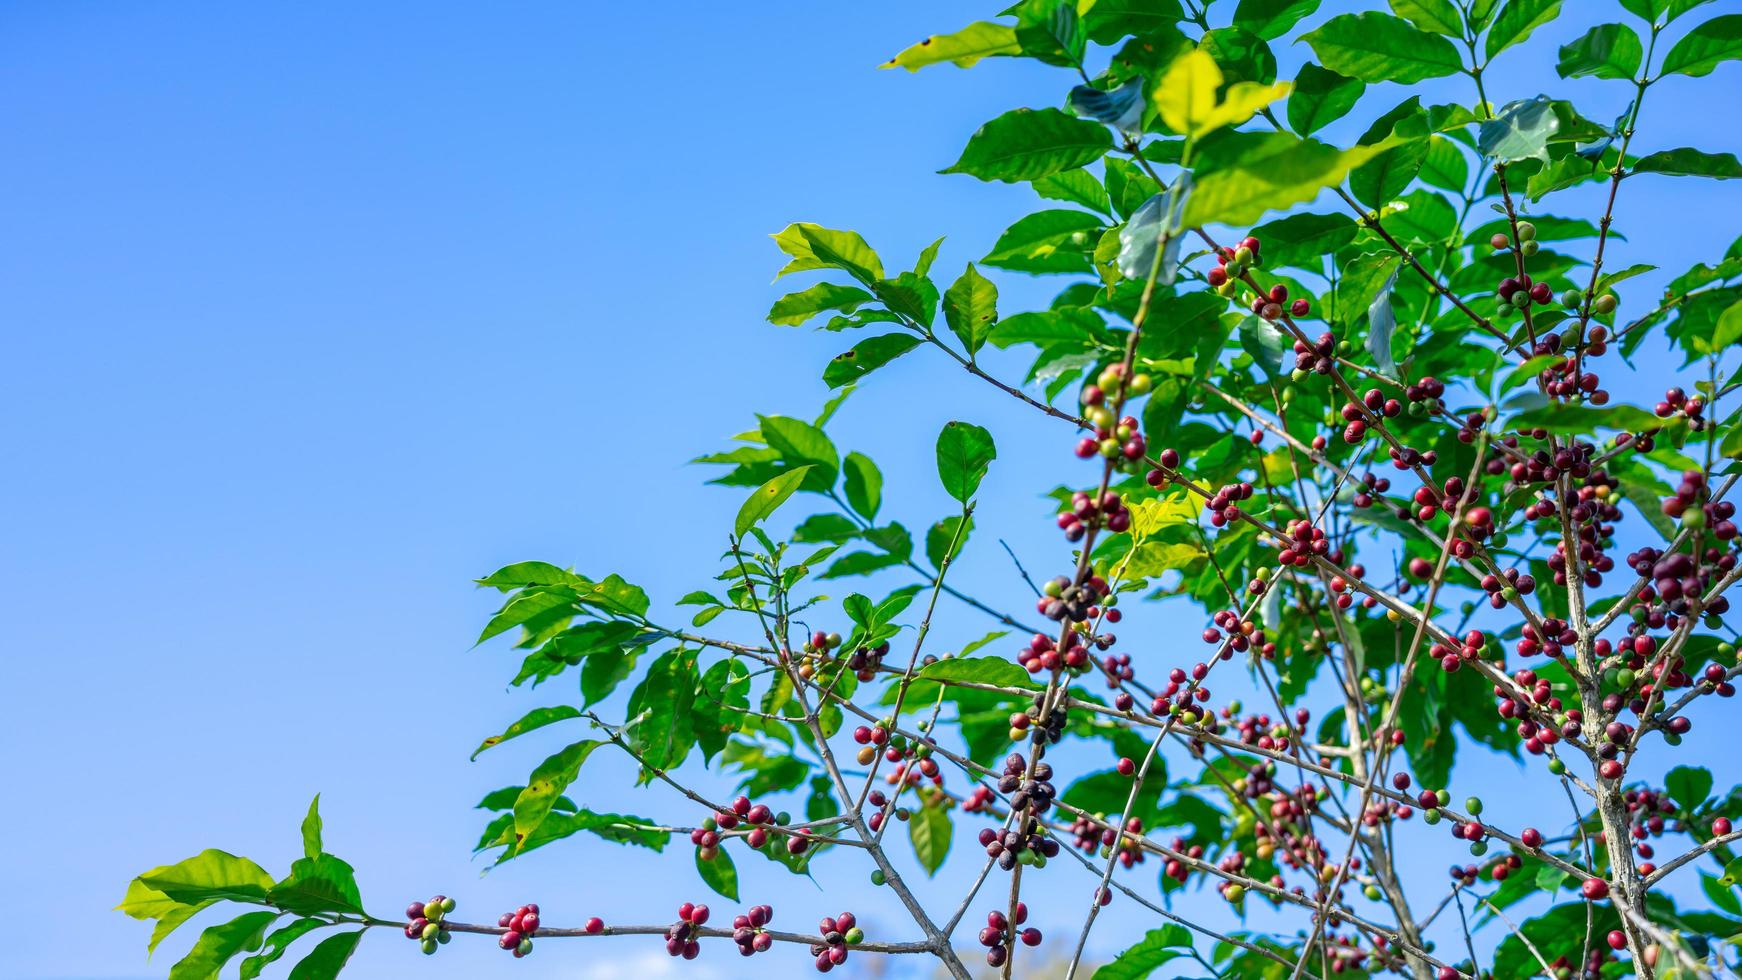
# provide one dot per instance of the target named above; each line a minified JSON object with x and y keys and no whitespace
{"x":1365,"y":406}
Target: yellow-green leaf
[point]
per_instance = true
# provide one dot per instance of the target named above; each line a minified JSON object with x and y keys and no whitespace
{"x":981,"y":39}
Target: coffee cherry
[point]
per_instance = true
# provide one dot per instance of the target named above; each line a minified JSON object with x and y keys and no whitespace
{"x":1617,"y":939}
{"x":1595,"y":889}
{"x":1720,"y":826}
{"x":1127,"y":767}
{"x":594,"y":926}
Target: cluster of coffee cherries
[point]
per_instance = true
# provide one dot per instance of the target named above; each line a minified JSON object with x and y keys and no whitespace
{"x":839,"y":932}
{"x":1232,"y":264}
{"x":1647,"y":810}
{"x":1676,"y":580}
{"x":1260,"y":731}
{"x":1303,"y":541}
{"x":866,"y":661}
{"x":1269,"y":305}
{"x":1224,"y":505}
{"x":816,"y":652}
{"x":1692,"y":505}
{"x":1085,"y":512}
{"x":707,"y":836}
{"x":680,"y":936}
{"x":1112,"y":387}
{"x":1470,"y":648}
{"x":1676,"y":402}
{"x":1116,"y":439}
{"x":1370,"y":486}
{"x":518,"y":928}
{"x":424,"y":922}
{"x":1507,"y":586}
{"x":1373,"y":404}
{"x":1179,"y":870}
{"x":748,"y":931}
{"x":1564,"y":379}
{"x":997,"y":934}
{"x":1243,"y":634}
{"x":1028,"y":724}
{"x":1027,"y":791}
{"x":1526,"y":242}
{"x":872,"y":739}
{"x":1315,"y":358}
{"x":1062,"y":600}
{"x":1099,"y":836}
{"x":1040,"y":653}
{"x":1520,"y":292}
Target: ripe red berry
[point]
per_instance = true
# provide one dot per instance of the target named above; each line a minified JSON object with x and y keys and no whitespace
{"x":1127,"y":767}
{"x":595,"y":925}
{"x":1720,"y":826}
{"x":1531,"y":837}
{"x":1617,"y":939}
{"x":1595,"y":889}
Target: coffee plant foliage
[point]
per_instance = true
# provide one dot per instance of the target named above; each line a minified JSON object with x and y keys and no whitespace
{"x":1366,"y":404}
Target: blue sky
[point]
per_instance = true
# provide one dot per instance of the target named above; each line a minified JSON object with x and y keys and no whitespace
{"x":316,"y":312}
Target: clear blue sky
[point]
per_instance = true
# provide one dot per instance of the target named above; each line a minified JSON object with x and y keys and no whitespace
{"x":315,"y":312}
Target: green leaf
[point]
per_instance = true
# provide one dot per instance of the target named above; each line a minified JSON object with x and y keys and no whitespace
{"x":964,"y":451}
{"x":1727,"y":333}
{"x":800,"y":443}
{"x":981,"y":39}
{"x":1261,"y":172}
{"x":1688,"y":786}
{"x":1156,"y":948}
{"x":661,"y":726}
{"x":1651,"y":10}
{"x":1271,"y":19}
{"x":210,"y":874}
{"x":1109,"y":20}
{"x":863,"y":485}
{"x":276,"y":945}
{"x":721,"y":705}
{"x":326,"y":960}
{"x":939,"y":536}
{"x":1076,"y":186}
{"x":795,"y":308}
{"x":1570,"y":419}
{"x":1303,"y":240}
{"x":720,"y":874}
{"x":1267,"y":344}
{"x":930,"y":830}
{"x":1516,"y":22}
{"x":1706,"y":47}
{"x":977,"y":670}
{"x":1381,"y":179}
{"x":1689,"y":162}
{"x":1321,"y":97}
{"x":1047,"y":241}
{"x":546,"y":783}
{"x":1445,"y":165}
{"x":1025,"y":144}
{"x":971,"y":308}
{"x":1377,"y":47}
{"x":1519,"y":131}
{"x":815,"y":247}
{"x":867,"y":356}
{"x":172,"y":920}
{"x":767,"y":499}
{"x":311,"y":829}
{"x":536,"y":718}
{"x":1438,"y":16}
{"x":530,"y":604}
{"x":1604,"y":51}
{"x":322,"y":883}
{"x":218,"y":944}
